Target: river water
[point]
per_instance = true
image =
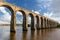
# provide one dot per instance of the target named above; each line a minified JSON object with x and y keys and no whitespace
{"x":45,"y":34}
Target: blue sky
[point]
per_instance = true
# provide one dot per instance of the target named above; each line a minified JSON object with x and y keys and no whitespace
{"x":47,"y":8}
{"x":35,"y":5}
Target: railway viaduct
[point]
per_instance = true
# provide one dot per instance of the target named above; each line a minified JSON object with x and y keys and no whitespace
{"x":42,"y":22}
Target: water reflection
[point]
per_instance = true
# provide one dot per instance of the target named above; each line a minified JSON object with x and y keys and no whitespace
{"x":45,"y":34}
{"x":33,"y":36}
{"x":24,"y":35}
{"x":38,"y":35}
{"x":12,"y":36}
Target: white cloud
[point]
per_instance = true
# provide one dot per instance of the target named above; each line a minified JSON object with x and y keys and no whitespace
{"x":19,"y":17}
{"x":53,"y":7}
{"x":53,"y":16}
{"x":43,"y":3}
{"x":48,"y":14}
{"x":29,"y":19}
{"x":35,"y":12}
{"x":6,"y":17}
{"x":19,"y":13}
{"x":2,"y":9}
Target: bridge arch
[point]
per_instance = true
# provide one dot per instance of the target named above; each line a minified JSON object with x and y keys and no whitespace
{"x":9,"y":7}
{"x":24,"y":22}
{"x":41,"y":22}
{"x":37,"y":22}
{"x":32,"y":21}
{"x":12,"y":22}
{"x":44,"y":22}
{"x":47,"y":24}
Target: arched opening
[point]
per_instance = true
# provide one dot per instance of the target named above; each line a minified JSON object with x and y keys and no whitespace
{"x":5,"y":20}
{"x":47,"y":24}
{"x":41,"y":22}
{"x":31,"y":21}
{"x":37,"y":22}
{"x":13,"y":18}
{"x":44,"y":22}
{"x":50,"y":24}
{"x":21,"y":19}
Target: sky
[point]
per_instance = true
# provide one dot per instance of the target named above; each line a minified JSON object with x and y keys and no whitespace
{"x":47,"y":8}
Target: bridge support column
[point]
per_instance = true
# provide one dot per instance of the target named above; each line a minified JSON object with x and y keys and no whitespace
{"x":32,"y":24}
{"x":46,"y":23}
{"x":42,"y":24}
{"x":38,"y":24}
{"x":49,"y":23}
{"x":13,"y":23}
{"x":25,"y":23}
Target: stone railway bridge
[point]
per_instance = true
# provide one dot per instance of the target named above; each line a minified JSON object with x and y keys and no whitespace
{"x":42,"y":22}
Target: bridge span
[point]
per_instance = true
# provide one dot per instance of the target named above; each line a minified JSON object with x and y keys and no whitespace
{"x":42,"y":22}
